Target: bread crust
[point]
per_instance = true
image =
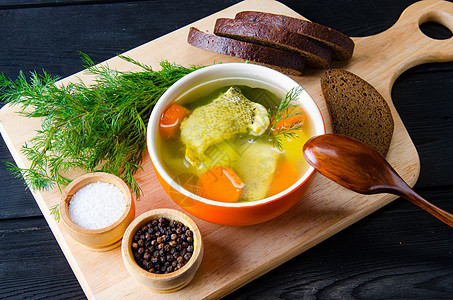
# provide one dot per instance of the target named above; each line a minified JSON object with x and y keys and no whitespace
{"x":317,"y":54}
{"x":342,"y":46}
{"x":357,"y":109}
{"x":286,"y":62}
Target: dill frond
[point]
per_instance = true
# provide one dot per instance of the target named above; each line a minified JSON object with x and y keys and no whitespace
{"x":55,"y":212}
{"x":285,"y":110}
{"x":101,"y":127}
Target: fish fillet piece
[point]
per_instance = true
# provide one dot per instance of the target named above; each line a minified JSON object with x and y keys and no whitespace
{"x":256,"y":169}
{"x":227,"y":115}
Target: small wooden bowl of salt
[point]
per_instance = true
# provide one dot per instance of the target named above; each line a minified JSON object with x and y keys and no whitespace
{"x":96,"y":209}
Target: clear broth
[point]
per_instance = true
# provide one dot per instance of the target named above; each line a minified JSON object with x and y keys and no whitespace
{"x":172,"y":151}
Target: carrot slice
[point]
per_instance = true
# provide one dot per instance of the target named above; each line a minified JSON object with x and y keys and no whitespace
{"x":220,"y":184}
{"x":285,"y":175}
{"x":299,"y":118}
{"x":171,"y":119}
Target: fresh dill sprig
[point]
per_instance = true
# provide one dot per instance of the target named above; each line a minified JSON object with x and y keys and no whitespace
{"x":55,"y":212}
{"x":101,"y":127}
{"x":285,"y":110}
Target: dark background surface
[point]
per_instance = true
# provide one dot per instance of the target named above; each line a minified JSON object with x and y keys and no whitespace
{"x":399,"y":251}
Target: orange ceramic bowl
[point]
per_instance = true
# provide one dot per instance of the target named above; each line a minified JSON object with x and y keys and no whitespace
{"x":246,"y":213}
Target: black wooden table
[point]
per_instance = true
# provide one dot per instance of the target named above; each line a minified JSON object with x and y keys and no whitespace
{"x":399,"y":251}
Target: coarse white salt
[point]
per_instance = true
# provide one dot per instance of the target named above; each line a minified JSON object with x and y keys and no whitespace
{"x":96,"y":205}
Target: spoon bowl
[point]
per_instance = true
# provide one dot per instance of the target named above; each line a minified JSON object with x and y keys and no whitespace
{"x":360,"y":168}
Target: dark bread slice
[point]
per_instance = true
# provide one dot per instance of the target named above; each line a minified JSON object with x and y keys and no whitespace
{"x":317,"y":54}
{"x":357,"y":109}
{"x":342,"y":46}
{"x":285,"y":62}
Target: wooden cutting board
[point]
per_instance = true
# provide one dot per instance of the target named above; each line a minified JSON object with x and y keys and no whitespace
{"x":236,"y":255}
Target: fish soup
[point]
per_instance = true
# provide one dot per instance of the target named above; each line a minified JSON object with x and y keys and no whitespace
{"x":222,"y":142}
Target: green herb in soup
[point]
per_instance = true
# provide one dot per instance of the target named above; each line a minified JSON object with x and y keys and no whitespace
{"x":235,"y":143}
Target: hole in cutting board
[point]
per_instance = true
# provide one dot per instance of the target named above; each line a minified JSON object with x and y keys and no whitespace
{"x":436,"y":25}
{"x":435,"y":30}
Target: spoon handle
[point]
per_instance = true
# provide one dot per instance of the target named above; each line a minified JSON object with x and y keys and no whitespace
{"x":437,"y":212}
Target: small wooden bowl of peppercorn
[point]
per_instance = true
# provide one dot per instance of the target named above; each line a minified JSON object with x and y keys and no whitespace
{"x":162,"y":249}
{"x":96,"y":209}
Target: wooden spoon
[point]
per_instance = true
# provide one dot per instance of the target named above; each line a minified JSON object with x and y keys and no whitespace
{"x":362,"y":169}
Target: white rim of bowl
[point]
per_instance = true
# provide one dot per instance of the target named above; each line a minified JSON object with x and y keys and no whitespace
{"x":232,"y":70}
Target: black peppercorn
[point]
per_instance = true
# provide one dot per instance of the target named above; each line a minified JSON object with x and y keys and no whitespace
{"x":162,"y":246}
{"x":187,"y":256}
{"x":145,"y":264}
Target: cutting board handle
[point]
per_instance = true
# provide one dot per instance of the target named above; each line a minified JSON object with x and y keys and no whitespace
{"x":404,"y":45}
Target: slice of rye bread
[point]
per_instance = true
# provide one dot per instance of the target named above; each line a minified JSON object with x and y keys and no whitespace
{"x":286,"y":62}
{"x":317,"y":54}
{"x":357,"y":109}
{"x":342,"y":46}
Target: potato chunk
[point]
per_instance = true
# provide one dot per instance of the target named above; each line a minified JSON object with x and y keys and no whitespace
{"x":256,"y":169}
